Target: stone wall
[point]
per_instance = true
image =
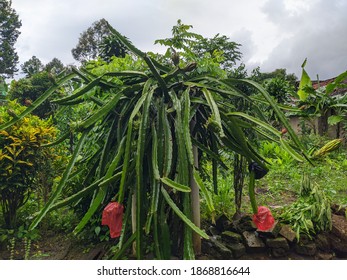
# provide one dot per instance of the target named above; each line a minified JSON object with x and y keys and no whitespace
{"x":315,"y":125}
{"x":240,"y":239}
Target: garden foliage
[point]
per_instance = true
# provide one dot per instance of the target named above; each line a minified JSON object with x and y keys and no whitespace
{"x":138,"y":140}
{"x":20,"y":151}
{"x":311,"y":212}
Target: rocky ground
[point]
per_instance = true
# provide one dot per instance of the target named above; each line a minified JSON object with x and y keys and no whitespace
{"x":237,"y":239}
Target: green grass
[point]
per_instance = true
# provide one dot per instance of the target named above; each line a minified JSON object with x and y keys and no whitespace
{"x":281,"y":186}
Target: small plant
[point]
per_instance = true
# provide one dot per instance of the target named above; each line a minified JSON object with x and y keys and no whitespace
{"x":11,"y":247}
{"x":14,"y":237}
{"x":27,"y":247}
{"x":275,"y":154}
{"x":311,"y":212}
{"x":93,"y":232}
{"x":223,"y":201}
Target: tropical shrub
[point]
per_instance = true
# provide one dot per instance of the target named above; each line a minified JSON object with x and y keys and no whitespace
{"x":27,"y":90}
{"x":323,"y":101}
{"x":274,"y":153}
{"x":311,"y":212}
{"x":215,"y":56}
{"x":21,"y":157}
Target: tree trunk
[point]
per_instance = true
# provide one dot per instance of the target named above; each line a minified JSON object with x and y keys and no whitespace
{"x":11,"y":201}
{"x":338,"y":130}
{"x":323,"y":124}
{"x":239,"y":176}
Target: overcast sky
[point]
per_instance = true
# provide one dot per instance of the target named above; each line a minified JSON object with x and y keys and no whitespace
{"x":273,"y":33}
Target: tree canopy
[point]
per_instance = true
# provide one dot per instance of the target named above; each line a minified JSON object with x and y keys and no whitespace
{"x":32,"y":66}
{"x":214,"y":53}
{"x":97,"y":41}
{"x":9,"y":32}
{"x":27,"y":90}
{"x":55,"y":66}
{"x":39,"y":78}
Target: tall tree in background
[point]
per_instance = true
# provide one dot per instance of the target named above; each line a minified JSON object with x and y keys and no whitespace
{"x":32,"y":66}
{"x":3,"y":91}
{"x":219,"y":43}
{"x":280,"y":73}
{"x":89,"y":41}
{"x":9,"y":32}
{"x":111,"y":46}
{"x":217,"y":56}
{"x":55,"y":66}
{"x":278,"y":83}
{"x":27,"y":90}
{"x":97,"y":41}
{"x":39,"y":78}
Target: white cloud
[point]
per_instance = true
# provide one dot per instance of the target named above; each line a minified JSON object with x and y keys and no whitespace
{"x":274,"y":33}
{"x":315,"y":31}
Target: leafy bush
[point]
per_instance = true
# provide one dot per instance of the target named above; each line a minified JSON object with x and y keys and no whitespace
{"x":275,"y":154}
{"x":27,"y":90}
{"x":20,"y":149}
{"x":311,"y":212}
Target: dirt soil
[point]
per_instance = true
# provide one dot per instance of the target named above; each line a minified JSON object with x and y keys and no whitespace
{"x":56,"y":246}
{"x":63,"y":247}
